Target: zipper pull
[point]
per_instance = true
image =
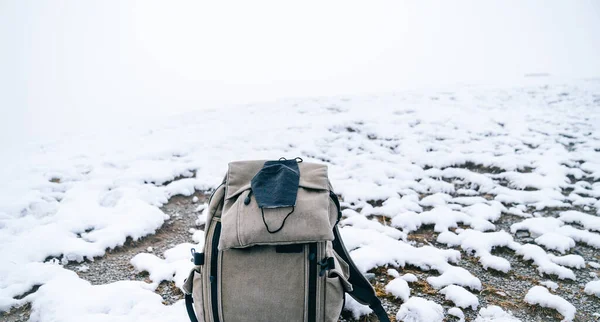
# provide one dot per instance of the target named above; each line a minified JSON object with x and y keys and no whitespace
{"x":247,"y":200}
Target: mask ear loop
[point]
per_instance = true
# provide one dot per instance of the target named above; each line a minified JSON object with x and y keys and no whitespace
{"x":262,"y":211}
{"x":298,"y":159}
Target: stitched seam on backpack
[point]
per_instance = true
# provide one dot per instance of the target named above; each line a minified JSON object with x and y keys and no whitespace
{"x":237,"y":227}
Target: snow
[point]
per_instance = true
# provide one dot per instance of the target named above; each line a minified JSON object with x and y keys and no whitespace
{"x":483,"y":211}
{"x":495,"y":313}
{"x":550,"y":285}
{"x":174,"y":267}
{"x":83,"y":268}
{"x":592,"y":288}
{"x":69,"y":199}
{"x":398,"y":288}
{"x":594,"y":265}
{"x":442,"y":217}
{"x":455,"y":275}
{"x":554,"y":241}
{"x":393,"y":273}
{"x":481,"y":244}
{"x":418,"y":309}
{"x":356,"y":220}
{"x":546,"y":262}
{"x":70,"y":298}
{"x":411,"y":278}
{"x":539,"y":295}
{"x":394,"y":206}
{"x":456,"y":312}
{"x":371,"y":249}
{"x":460,"y":297}
{"x":554,"y":234}
{"x":587,"y":221}
{"x":356,"y":309}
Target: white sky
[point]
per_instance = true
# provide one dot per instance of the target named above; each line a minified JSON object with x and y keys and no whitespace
{"x":67,"y":65}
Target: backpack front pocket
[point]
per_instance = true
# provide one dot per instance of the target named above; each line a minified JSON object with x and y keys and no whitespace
{"x":246,"y":224}
{"x":263,"y":284}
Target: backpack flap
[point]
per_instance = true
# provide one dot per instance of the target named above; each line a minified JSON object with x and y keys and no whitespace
{"x":276,"y":203}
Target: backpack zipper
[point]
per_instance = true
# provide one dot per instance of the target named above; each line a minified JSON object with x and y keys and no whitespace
{"x":312,"y":282}
{"x":214,"y":256}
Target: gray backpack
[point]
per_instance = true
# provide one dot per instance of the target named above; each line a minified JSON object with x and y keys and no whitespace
{"x":273,"y":251}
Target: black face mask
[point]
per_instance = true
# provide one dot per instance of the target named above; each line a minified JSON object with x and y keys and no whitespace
{"x":276,"y":184}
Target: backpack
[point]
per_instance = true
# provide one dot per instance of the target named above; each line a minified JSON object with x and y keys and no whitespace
{"x":273,"y":251}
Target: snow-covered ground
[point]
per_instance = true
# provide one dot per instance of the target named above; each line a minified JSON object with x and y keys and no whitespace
{"x":476,"y":168}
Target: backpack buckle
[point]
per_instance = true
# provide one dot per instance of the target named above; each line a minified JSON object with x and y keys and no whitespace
{"x":326,"y":264}
{"x":197,"y":258}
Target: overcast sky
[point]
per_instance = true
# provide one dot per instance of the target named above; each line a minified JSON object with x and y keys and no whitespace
{"x":72,"y":63}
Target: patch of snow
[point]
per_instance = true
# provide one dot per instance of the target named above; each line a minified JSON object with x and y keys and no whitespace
{"x":481,"y":244}
{"x":201,"y":220}
{"x":418,"y":309}
{"x":484,"y":211}
{"x":537,"y":226}
{"x":592,"y":288}
{"x":555,"y":241}
{"x":356,"y":309}
{"x":455,"y":275}
{"x":201,"y":207}
{"x":517,"y":212}
{"x":437,"y":186}
{"x":549,"y":284}
{"x":495,"y":313}
{"x":393,"y":273}
{"x":68,"y":298}
{"x":175,"y":267}
{"x":469,"y":200}
{"x":359,"y":221}
{"x":594,"y":265}
{"x":573,"y":261}
{"x":584,"y":236}
{"x":544,"y":261}
{"x":198,"y":236}
{"x":370,"y":249}
{"x":398,"y":288}
{"x":460,"y":297}
{"x":436,"y":199}
{"x":394,"y":206}
{"x":442,"y":217}
{"x":552,"y":233}
{"x":539,"y":295}
{"x":411,"y":278}
{"x":456,"y":312}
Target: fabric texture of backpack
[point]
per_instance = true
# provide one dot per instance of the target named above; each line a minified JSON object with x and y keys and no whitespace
{"x":273,"y":251}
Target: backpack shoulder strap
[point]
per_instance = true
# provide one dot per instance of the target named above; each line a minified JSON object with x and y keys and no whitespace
{"x":362,"y":291}
{"x":189,"y":306}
